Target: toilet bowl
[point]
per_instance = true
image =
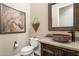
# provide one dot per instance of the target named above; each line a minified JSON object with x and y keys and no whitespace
{"x":29,"y":50}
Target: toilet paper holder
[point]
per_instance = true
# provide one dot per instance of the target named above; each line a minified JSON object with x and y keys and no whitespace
{"x":15,"y":44}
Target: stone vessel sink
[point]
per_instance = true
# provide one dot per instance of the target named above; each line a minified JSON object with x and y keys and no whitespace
{"x":62,"y":38}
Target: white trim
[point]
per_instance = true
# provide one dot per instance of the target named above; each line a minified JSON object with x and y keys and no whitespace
{"x":58,"y":17}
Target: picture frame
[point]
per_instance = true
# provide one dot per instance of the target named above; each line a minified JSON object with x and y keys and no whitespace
{"x":11,"y":20}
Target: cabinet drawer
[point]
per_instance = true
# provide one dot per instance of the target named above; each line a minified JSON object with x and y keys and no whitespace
{"x":48,"y":46}
{"x":54,"y":50}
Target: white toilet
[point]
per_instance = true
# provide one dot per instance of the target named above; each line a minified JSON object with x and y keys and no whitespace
{"x":29,"y":50}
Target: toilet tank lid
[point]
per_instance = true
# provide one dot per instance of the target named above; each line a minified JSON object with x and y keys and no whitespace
{"x":27,"y":48}
{"x":34,"y":38}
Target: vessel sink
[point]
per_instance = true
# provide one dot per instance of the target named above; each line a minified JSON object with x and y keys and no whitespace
{"x":62,"y":38}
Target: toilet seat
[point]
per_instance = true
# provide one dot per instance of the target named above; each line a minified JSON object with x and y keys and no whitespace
{"x":27,"y":50}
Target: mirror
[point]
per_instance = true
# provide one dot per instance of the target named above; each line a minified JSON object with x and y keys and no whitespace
{"x":62,"y":15}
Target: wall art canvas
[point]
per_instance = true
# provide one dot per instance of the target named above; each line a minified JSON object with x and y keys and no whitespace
{"x":12,"y":20}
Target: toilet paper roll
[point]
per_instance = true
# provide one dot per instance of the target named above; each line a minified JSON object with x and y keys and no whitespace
{"x":16,"y":45}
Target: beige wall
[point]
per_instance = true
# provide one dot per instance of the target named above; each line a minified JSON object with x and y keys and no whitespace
{"x":41,"y":11}
{"x":7,"y":40}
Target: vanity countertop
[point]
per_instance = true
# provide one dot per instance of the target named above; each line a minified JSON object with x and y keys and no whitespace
{"x":72,"y":45}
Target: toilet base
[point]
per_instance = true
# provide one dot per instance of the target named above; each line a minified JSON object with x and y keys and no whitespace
{"x":19,"y":54}
{"x":32,"y":54}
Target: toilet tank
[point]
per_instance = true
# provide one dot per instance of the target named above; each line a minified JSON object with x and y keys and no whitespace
{"x":34,"y":42}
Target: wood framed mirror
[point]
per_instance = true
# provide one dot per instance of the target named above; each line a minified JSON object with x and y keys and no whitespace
{"x":63,"y":16}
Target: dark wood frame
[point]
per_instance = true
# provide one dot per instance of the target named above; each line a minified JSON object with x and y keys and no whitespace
{"x":50,"y":28}
{"x":1,"y":4}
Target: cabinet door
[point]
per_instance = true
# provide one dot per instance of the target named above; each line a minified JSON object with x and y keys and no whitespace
{"x":46,"y":50}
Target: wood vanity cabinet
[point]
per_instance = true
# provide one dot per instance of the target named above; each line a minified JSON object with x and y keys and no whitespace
{"x":51,"y":50}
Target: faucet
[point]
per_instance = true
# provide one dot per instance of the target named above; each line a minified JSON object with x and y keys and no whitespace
{"x":73,"y":35}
